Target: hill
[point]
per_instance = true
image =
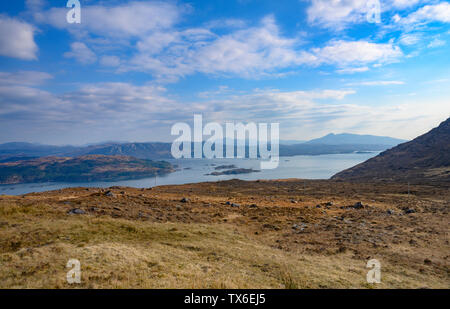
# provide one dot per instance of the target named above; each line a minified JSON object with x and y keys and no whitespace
{"x":426,"y":158}
{"x":355,"y":139}
{"x":80,"y":169}
{"x":138,"y":150}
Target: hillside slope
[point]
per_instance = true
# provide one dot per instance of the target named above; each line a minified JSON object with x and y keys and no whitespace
{"x":425,"y":159}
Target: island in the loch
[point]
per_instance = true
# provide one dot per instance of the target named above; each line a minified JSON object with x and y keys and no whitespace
{"x":80,"y":169}
{"x":231,"y":170}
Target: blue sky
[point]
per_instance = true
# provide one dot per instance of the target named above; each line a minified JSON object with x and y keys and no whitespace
{"x":132,"y":69}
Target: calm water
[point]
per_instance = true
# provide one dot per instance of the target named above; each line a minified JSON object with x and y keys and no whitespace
{"x":192,"y":170}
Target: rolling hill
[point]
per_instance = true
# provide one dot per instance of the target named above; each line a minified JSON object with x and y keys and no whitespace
{"x":425,"y":159}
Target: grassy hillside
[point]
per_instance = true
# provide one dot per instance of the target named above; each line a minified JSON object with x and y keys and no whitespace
{"x":273,"y":234}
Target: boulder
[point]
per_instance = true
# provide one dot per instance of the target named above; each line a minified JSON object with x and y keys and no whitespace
{"x":76,"y":211}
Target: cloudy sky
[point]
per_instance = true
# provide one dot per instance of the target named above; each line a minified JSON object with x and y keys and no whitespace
{"x":132,"y":69}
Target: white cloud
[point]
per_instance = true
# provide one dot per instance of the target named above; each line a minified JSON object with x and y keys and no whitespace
{"x":378,"y":83}
{"x":302,"y":114}
{"x":410,"y":39}
{"x":247,"y":51}
{"x":253,"y":52}
{"x":356,"y":53}
{"x":340,"y":14}
{"x":250,"y":52}
{"x":337,"y":13}
{"x":226,"y":23}
{"x":134,"y":19}
{"x":28,"y":78}
{"x":148,"y":32}
{"x":403,"y":4}
{"x":436,"y":43}
{"x":17,"y":39}
{"x":110,"y":61}
{"x":429,"y":13}
{"x":144,"y":113}
{"x":35,"y":5}
{"x":81,"y":53}
{"x":353,"y":70}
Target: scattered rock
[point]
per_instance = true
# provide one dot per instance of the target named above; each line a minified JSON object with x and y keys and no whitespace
{"x":329,"y":204}
{"x":427,"y":262}
{"x":117,"y":208}
{"x":358,"y":205}
{"x":271,"y":227}
{"x":300,"y":227}
{"x":318,"y":206}
{"x":76,"y":211}
{"x":184,"y":200}
{"x":235,"y":205}
{"x":142,"y":215}
{"x":409,"y":211}
{"x":253,"y":206}
{"x":412,"y":242}
{"x":390,"y":212}
{"x":179,"y":208}
{"x":342,"y":249}
{"x":109,"y":193}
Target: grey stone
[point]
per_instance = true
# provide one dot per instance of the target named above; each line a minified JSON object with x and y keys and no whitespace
{"x":76,"y":211}
{"x":358,"y":205}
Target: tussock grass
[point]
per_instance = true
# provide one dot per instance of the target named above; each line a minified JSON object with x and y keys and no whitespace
{"x":36,"y":241}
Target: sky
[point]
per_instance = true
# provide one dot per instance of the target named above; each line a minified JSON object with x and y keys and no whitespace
{"x":132,"y":69}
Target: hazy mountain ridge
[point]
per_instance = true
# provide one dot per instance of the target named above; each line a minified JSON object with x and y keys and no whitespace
{"x":356,"y":139}
{"x":332,"y":144}
{"x":426,"y":158}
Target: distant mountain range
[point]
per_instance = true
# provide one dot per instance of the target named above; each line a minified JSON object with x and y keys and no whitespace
{"x":330,"y":144}
{"x":355,"y":139}
{"x":425,"y":159}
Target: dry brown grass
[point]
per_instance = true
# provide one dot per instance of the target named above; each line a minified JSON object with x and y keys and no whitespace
{"x":38,"y":237}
